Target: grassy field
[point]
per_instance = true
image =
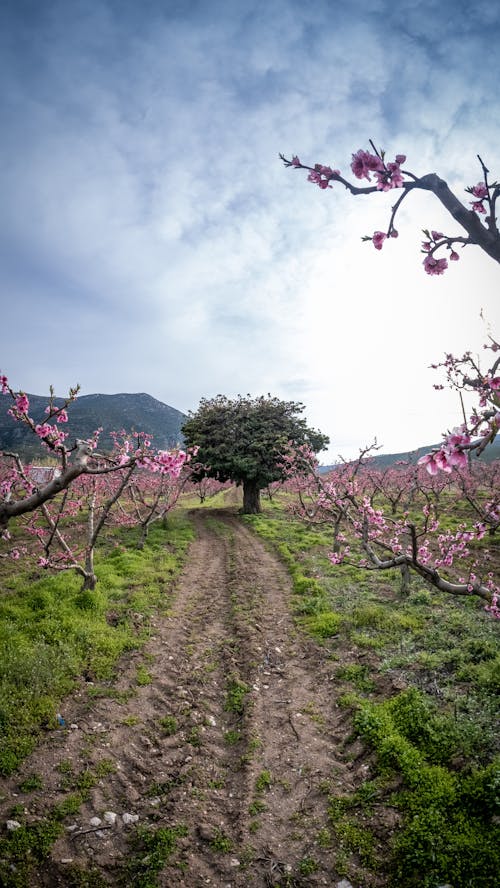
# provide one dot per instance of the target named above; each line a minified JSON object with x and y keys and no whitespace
{"x":52,"y":634}
{"x":419,"y":676}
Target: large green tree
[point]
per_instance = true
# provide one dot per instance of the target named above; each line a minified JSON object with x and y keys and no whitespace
{"x":243,"y":440}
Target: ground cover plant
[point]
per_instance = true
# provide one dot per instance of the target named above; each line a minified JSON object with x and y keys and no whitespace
{"x":53,"y":633}
{"x":418,"y":675}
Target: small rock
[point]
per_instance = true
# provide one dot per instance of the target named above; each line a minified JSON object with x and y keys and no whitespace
{"x":66,"y":860}
{"x":211,"y":721}
{"x":155,"y":802}
{"x":234,"y":861}
{"x":344,"y":884}
{"x":12,"y":825}
{"x":95,"y":821}
{"x":130,"y":818}
{"x":72,"y":827}
{"x":74,"y":727}
{"x":110,"y":817}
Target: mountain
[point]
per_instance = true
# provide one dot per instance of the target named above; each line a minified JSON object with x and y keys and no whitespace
{"x":132,"y":412}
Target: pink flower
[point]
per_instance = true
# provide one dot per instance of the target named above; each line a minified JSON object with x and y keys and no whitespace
{"x":457,"y":458}
{"x":478,"y":206}
{"x":400,"y":158}
{"x":62,"y":416}
{"x":364,"y":163}
{"x":4,"y":383}
{"x":435,"y":266}
{"x":480,"y":190}
{"x":295,"y":161}
{"x":316,"y":176}
{"x":437,"y":235}
{"x":22,"y":403}
{"x":454,"y":256}
{"x":378,"y":239}
{"x":389,"y":178}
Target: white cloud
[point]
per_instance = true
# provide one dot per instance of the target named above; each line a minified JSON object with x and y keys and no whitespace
{"x":155,"y":243}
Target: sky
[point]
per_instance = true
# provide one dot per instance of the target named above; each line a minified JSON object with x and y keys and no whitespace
{"x":152,"y":241}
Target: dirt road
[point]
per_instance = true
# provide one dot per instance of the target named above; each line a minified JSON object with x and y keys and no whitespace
{"x":234,"y":734}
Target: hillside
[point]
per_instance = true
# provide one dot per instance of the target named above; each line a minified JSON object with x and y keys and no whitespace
{"x":132,"y":412}
{"x":383,"y":460}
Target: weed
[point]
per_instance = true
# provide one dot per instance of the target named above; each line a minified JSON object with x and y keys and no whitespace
{"x":263,"y":781}
{"x":324,"y":625}
{"x":143,"y":677}
{"x":308,"y":866}
{"x":221,"y":843}
{"x":232,"y":737}
{"x":30,"y":783}
{"x":358,"y":675}
{"x":194,"y":736}
{"x":169,"y":725}
{"x":152,"y":849}
{"x":236,"y":692}
{"x":256,"y":807}
{"x":131,"y":720}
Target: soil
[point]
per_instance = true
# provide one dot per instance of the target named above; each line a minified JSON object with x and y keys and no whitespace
{"x":256,"y":747}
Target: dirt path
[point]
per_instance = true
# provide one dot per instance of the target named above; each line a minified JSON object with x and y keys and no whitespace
{"x":236,"y":736}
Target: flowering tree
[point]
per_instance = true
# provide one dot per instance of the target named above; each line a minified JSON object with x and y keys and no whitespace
{"x":151,"y":498}
{"x":450,"y":559}
{"x":479,"y":221}
{"x":97,"y":481}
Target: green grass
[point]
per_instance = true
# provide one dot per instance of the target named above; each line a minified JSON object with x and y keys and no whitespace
{"x":236,"y":692}
{"x":432,"y":748}
{"x":151,"y":851}
{"x":51,"y":632}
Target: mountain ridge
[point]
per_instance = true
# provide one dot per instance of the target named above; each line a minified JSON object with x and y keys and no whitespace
{"x":131,"y":411}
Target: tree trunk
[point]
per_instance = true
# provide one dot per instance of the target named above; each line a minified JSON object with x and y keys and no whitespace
{"x":89,"y":577}
{"x":251,"y":498}
{"x":405,"y":580}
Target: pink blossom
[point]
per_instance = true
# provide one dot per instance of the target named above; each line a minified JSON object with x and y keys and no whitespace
{"x":435,"y":266}
{"x":295,"y":161}
{"x":22,"y":403}
{"x":44,"y":430}
{"x":454,"y":256}
{"x":4,"y":384}
{"x":363,"y":163}
{"x":378,"y":239}
{"x":480,"y":190}
{"x":62,"y":416}
{"x":400,"y":158}
{"x":457,"y":458}
{"x":315,"y":176}
{"x":389,"y":178}
{"x":478,"y":206}
{"x":437,"y":235}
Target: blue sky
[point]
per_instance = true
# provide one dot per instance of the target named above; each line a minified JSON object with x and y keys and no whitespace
{"x":150,"y":239}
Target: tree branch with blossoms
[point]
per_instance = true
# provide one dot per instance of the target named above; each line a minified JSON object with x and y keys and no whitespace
{"x":21,"y":494}
{"x":364,"y":536}
{"x":390,"y":175}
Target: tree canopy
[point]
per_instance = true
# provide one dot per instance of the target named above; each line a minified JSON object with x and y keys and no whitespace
{"x":244,"y":440}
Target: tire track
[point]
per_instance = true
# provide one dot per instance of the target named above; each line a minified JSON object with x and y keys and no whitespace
{"x":232,"y":737}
